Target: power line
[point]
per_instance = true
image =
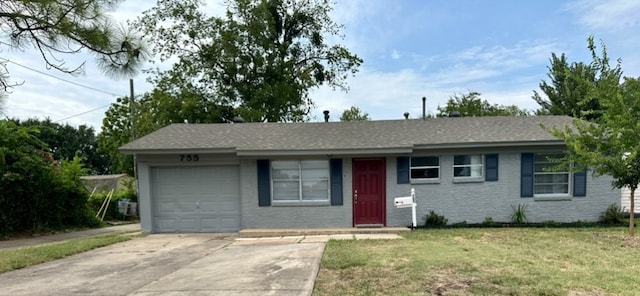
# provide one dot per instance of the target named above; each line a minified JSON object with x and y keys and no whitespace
{"x":83,"y":113}
{"x":71,"y":82}
{"x":62,"y":79}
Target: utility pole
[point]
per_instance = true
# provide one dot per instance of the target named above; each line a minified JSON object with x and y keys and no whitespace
{"x":132,"y":112}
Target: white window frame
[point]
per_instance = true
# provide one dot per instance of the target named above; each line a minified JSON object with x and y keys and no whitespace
{"x":300,"y":182}
{"x":470,"y":166}
{"x":424,"y":167}
{"x":553,"y":195}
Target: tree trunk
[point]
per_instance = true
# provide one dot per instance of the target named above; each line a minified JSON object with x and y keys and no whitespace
{"x":631,"y":211}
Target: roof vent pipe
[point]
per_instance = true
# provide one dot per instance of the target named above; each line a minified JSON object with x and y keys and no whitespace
{"x":326,"y":115}
{"x":424,"y":108}
{"x":406,"y":115}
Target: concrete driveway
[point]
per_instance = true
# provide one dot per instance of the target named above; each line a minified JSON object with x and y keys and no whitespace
{"x":189,"y":264}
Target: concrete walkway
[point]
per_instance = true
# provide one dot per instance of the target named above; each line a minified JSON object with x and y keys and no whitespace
{"x":60,"y":237}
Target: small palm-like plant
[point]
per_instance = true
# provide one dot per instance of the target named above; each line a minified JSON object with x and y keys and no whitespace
{"x":519,"y":215}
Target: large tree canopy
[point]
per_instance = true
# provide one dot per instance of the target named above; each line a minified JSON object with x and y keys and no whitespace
{"x":572,"y":86}
{"x":59,"y":27}
{"x":610,"y":147}
{"x":472,"y":104}
{"x":150,"y":112}
{"x":261,"y":58}
{"x":65,"y":142}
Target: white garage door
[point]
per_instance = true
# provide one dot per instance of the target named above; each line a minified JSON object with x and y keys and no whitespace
{"x":196,"y":199}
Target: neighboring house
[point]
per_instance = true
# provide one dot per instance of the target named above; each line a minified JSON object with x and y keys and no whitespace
{"x":106,"y":183}
{"x":227,"y":177}
{"x":625,"y":203}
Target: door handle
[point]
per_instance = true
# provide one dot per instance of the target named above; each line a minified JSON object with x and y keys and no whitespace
{"x":355,"y":196}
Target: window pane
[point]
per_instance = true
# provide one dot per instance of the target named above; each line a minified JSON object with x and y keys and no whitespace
{"x":543,"y":189}
{"x":286,"y":190}
{"x":314,"y":164}
{"x":283,"y":164}
{"x":476,"y":171}
{"x":476,"y":159}
{"x":462,"y":172}
{"x":425,"y":173}
{"x":315,"y":174}
{"x":285,"y":170}
{"x":425,"y":161}
{"x":315,"y":190}
{"x":551,"y":188}
{"x":467,"y":159}
{"x":461,"y":159}
{"x":547,"y":181}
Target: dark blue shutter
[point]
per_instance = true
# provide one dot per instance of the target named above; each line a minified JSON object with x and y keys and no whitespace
{"x":491,"y":167}
{"x":335,"y":167}
{"x":526,"y":175}
{"x":264,"y":183}
{"x":403,"y":170}
{"x":580,"y":184}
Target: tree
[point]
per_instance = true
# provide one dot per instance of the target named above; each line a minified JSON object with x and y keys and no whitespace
{"x":66,"y":142}
{"x":59,"y":27}
{"x":609,"y":147}
{"x":117,"y":131}
{"x":570,"y":91}
{"x":153,"y":111}
{"x":37,"y":192}
{"x":261,"y":58}
{"x":354,"y":114}
{"x":472,"y":105}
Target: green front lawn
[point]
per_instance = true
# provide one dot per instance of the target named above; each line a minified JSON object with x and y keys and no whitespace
{"x":502,"y":261}
{"x":24,"y":257}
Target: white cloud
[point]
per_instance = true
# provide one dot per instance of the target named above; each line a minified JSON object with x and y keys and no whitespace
{"x":610,"y":15}
{"x":488,"y":70}
{"x":480,"y":63}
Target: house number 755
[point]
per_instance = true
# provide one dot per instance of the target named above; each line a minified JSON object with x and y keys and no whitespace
{"x":189,"y":157}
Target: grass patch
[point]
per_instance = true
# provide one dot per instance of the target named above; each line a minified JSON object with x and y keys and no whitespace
{"x":24,"y":257}
{"x":485,"y":261}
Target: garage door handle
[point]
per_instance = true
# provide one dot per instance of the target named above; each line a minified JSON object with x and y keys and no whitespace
{"x":197,"y":204}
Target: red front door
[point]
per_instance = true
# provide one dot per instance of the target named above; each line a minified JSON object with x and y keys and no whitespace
{"x":369,"y":192}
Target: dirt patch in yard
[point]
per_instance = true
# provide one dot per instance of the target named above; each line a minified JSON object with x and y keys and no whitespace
{"x":448,"y":282}
{"x":621,"y":240}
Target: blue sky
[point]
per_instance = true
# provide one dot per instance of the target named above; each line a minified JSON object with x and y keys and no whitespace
{"x":410,"y":49}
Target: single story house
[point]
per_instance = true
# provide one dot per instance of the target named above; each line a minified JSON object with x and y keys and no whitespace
{"x":227,"y":177}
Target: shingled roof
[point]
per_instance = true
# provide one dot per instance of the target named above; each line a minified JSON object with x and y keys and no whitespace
{"x":342,"y":137}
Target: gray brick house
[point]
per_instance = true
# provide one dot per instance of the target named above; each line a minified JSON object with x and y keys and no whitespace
{"x":227,"y":177}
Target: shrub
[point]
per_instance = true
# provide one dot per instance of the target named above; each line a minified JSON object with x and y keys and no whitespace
{"x":434,"y":220}
{"x":612,"y":215}
{"x":461,"y":224}
{"x":519,"y":215}
{"x":488,"y":222}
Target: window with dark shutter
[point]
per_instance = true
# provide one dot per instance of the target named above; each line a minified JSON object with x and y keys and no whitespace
{"x":491,"y":167}
{"x":402,"y":166}
{"x":526,"y":175}
{"x":264,"y":183}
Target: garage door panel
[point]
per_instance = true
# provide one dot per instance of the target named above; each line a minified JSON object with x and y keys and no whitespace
{"x":196,"y":199}
{"x":165,"y":207}
{"x":187,"y":207}
{"x":166,"y":224}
